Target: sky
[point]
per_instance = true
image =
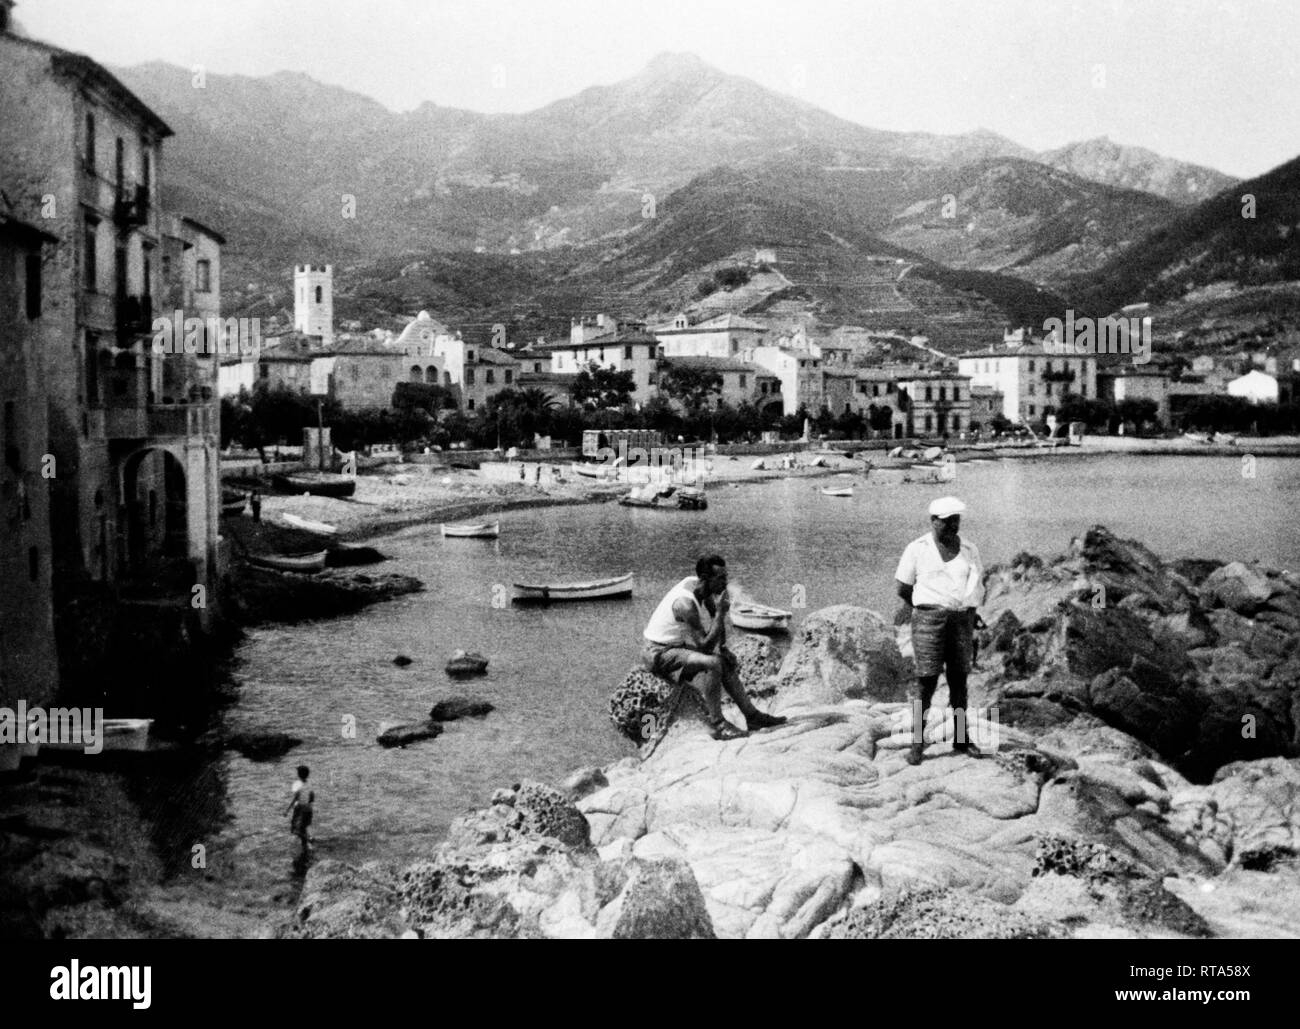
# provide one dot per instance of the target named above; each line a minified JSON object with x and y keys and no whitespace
{"x":1215,"y":82}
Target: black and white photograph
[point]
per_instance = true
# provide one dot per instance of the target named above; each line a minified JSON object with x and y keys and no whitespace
{"x":578,"y":470}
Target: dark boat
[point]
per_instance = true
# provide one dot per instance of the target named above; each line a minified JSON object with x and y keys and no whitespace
{"x":320,"y":484}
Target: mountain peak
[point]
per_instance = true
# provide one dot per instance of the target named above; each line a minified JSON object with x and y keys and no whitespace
{"x":677,"y":63}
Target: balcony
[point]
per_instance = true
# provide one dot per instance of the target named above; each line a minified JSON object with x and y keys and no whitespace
{"x":183,"y":420}
{"x":131,"y":208}
{"x":134,"y":318}
{"x":126,"y":398}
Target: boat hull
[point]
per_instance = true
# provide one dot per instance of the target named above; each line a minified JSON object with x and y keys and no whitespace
{"x":320,"y":486}
{"x":482,"y":531}
{"x":552,"y":593}
{"x":759,"y":619}
{"x":308,"y":563}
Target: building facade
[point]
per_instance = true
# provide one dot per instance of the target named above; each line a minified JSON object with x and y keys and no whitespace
{"x":1031,"y":379}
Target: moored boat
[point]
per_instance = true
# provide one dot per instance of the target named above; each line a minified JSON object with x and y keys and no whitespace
{"x":597,"y":589}
{"x":758,"y":618}
{"x":233,"y":502}
{"x":308,"y":525}
{"x":320,"y":484}
{"x":291,"y":562}
{"x":838,"y":491}
{"x":472,"y":530}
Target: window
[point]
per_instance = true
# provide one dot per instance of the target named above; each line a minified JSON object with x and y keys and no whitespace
{"x":509,"y":376}
{"x":956,"y":393}
{"x":146,"y":287}
{"x":627,"y":353}
{"x":415,"y":373}
{"x":537,"y":366}
{"x":929,"y":423}
{"x":318,"y":294}
{"x":203,"y":276}
{"x":1033,"y":389}
{"x":167,"y":269}
{"x":743,"y":380}
{"x":469,"y":356}
{"x":469,"y":376}
{"x":90,"y":271}
{"x":90,"y":142}
{"x":446,"y":378}
{"x":146,"y":167}
{"x":1031,"y":365}
{"x":431,"y":375}
{"x":264,"y":370}
{"x":356,"y":372}
{"x":943,"y":392}
{"x":928,"y":396}
{"x":1032,"y":409}
{"x":119,"y":166}
{"x":470,"y":404}
{"x":489,"y":377}
{"x":33,"y":283}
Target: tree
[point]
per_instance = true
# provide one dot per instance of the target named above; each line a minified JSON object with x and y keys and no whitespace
{"x":426,"y":395}
{"x":598,"y":388}
{"x":1096,"y":414}
{"x":1138,"y":410}
{"x":693,"y":387}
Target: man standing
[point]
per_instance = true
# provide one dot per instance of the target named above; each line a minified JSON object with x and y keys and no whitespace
{"x":300,"y":807}
{"x":678,"y":646}
{"x":941,"y":579}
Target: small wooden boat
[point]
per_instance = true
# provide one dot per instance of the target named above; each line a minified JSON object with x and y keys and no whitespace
{"x":114,"y":734}
{"x":320,"y":484}
{"x":308,"y":563}
{"x":838,"y":491}
{"x":463,"y":664}
{"x":308,"y":525}
{"x":692,"y":498}
{"x":472,"y":530}
{"x":758,"y":618}
{"x":233,"y":502}
{"x":597,"y":589}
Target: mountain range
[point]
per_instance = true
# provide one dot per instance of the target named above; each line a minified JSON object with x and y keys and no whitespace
{"x":634,"y":191}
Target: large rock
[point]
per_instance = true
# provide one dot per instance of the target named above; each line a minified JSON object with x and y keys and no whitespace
{"x":341,"y":902}
{"x":842,"y":653}
{"x":661,"y":901}
{"x":450,"y":709}
{"x":404,"y":735}
{"x":1241,"y":587}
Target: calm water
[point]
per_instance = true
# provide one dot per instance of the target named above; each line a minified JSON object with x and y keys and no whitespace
{"x":552,"y":669}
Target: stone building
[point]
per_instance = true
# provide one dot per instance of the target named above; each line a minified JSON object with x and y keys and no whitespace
{"x":137,"y":483}
{"x":1031,"y":379}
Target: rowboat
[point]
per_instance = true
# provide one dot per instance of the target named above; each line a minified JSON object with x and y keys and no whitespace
{"x":291,"y":562}
{"x":308,"y":525}
{"x":758,"y":618}
{"x":233,"y":501}
{"x":114,"y":734}
{"x":597,"y":589}
{"x":472,"y":530}
{"x":320,"y":484}
{"x":838,"y":491}
{"x":462,"y":664}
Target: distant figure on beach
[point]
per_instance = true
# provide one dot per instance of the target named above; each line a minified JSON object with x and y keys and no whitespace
{"x":941,"y":580}
{"x":678,"y":646}
{"x":255,"y":501}
{"x":300,"y":806}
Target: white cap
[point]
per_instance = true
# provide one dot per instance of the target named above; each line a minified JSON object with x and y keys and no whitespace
{"x":946,"y":507}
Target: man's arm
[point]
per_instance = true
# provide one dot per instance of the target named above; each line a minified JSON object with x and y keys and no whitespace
{"x":686,"y":612}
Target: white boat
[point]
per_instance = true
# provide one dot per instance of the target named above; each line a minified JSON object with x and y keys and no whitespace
{"x":306,"y":524}
{"x":756,"y":617}
{"x":472,"y":530}
{"x":597,"y":589}
{"x":838,"y":491}
{"x":114,"y":734}
{"x":291,"y":562}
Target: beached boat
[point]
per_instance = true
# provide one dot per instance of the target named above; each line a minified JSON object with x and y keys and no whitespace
{"x":291,"y":562}
{"x":757,"y":618}
{"x":115,"y":734}
{"x":463,"y":664}
{"x":597,"y":589}
{"x":308,"y":525}
{"x":320,"y":484}
{"x":650,"y":495}
{"x":472,"y":530}
{"x":233,"y":502}
{"x":838,"y":491}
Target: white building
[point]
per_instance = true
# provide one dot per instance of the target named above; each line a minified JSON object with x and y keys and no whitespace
{"x":313,"y":301}
{"x":1255,"y":386}
{"x":1031,"y":379}
{"x":725,"y":336}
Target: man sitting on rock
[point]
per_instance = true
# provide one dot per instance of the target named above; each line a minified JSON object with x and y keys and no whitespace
{"x":679,"y":647}
{"x":941,"y":580}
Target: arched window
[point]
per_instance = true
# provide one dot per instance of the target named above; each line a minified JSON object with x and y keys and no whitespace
{"x":431,"y":375}
{"x":446,"y":378}
{"x":416,"y":374}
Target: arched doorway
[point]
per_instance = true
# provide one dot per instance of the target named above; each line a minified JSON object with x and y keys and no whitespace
{"x":157,"y":515}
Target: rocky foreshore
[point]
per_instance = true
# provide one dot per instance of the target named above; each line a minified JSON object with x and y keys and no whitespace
{"x":1140,"y":779}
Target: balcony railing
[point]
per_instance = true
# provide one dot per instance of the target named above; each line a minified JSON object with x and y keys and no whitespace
{"x":183,"y":420}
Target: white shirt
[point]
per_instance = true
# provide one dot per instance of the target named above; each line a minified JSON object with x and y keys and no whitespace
{"x":664,"y":628}
{"x":954,"y":584}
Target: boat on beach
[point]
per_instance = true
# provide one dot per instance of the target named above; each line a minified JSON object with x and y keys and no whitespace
{"x":233,"y":502}
{"x":758,"y":618}
{"x":471,"y":530}
{"x":115,"y":734}
{"x":552,"y":592}
{"x":692,"y":498}
{"x":320,"y":484}
{"x":308,"y":525}
{"x":837,"y":491}
{"x":308,"y":563}
{"x":650,"y":495}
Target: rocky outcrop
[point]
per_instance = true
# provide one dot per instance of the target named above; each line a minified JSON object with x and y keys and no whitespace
{"x":1201,"y":663}
{"x":404,"y":735}
{"x":840,"y":653}
{"x":259,"y":595}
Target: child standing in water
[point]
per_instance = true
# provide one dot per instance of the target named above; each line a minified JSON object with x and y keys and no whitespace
{"x":301,"y":807}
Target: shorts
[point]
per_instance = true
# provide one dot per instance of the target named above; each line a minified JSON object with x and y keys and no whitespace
{"x":942,"y":640}
{"x":665,"y":660}
{"x":301,"y":821}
